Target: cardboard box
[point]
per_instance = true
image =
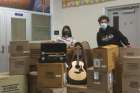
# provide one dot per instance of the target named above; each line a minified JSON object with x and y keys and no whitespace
{"x":53,"y":90}
{"x":89,"y":57}
{"x":19,"y":65}
{"x":13,"y":84}
{"x":35,"y":48}
{"x":131,"y":65}
{"x":69,"y":55}
{"x":105,"y":57}
{"x":19,"y":48}
{"x":124,"y":52}
{"x":131,"y":84}
{"x":34,"y":61}
{"x":51,"y":75}
{"x":90,"y":90}
{"x":117,"y":78}
{"x":99,"y":79}
{"x":76,"y":89}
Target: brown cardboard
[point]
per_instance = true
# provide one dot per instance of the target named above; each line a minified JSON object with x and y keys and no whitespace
{"x":53,"y":90}
{"x":131,"y":84}
{"x":90,"y":90}
{"x":19,"y":65}
{"x":117,"y":78}
{"x":99,"y":80}
{"x":19,"y":48}
{"x":34,"y":61}
{"x":76,"y":89}
{"x":51,"y":75}
{"x":69,"y":55}
{"x":129,"y":52}
{"x":131,"y":65}
{"x":89,"y":57}
{"x":35,"y":49}
{"x":13,"y":84}
{"x":105,"y":57}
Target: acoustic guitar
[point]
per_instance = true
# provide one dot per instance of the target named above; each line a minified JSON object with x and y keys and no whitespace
{"x":77,"y":73}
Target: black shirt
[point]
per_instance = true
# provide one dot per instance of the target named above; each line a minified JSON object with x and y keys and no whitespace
{"x":111,"y":36}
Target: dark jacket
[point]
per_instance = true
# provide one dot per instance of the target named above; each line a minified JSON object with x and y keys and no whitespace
{"x":111,"y":36}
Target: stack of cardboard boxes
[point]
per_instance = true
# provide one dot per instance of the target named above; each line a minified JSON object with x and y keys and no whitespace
{"x":108,"y":74}
{"x":16,"y":81}
{"x":44,"y":77}
{"x":35,"y":52}
{"x":100,"y":78}
{"x":19,"y":57}
{"x":130,"y":58}
{"x":50,"y":76}
{"x":34,"y":60}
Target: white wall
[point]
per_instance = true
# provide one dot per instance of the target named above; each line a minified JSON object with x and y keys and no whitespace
{"x":83,"y":19}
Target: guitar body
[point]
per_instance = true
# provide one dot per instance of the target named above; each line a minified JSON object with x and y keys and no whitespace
{"x":77,"y":73}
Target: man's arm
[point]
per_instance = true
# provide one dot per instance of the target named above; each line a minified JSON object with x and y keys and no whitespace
{"x":123,"y":38}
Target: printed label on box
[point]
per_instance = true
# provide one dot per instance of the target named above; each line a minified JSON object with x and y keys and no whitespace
{"x":96,"y":75}
{"x":13,"y":88}
{"x":97,"y":63}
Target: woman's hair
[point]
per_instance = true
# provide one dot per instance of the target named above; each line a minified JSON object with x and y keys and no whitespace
{"x":102,"y":18}
{"x":66,"y":32}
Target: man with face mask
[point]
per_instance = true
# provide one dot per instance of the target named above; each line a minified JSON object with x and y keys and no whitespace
{"x":109,"y":35}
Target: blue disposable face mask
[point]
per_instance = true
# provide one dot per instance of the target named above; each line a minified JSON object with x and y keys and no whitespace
{"x":103,"y":25}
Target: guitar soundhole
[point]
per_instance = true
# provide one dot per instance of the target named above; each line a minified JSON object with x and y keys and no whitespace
{"x":77,"y":66}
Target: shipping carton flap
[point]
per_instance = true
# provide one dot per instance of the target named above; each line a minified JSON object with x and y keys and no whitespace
{"x":110,"y":46}
{"x":131,"y":57}
{"x":4,"y":75}
{"x":76,"y":86}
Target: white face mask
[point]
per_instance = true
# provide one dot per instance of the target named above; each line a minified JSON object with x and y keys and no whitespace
{"x":103,"y":25}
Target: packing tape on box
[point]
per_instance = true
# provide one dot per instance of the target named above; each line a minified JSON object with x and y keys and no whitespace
{"x":58,"y":76}
{"x":25,"y":52}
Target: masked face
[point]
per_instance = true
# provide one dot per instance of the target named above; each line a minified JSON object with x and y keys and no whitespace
{"x":103,"y":25}
{"x":66,"y":33}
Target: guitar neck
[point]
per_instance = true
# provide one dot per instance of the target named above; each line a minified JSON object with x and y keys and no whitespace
{"x":77,"y":60}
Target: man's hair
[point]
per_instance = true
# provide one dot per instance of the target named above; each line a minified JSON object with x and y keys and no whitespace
{"x":102,"y":18}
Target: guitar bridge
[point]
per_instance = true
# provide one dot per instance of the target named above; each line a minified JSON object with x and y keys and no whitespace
{"x":78,"y":72}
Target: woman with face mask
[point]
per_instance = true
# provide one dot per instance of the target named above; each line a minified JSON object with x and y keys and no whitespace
{"x":109,"y":35}
{"x":66,"y":37}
